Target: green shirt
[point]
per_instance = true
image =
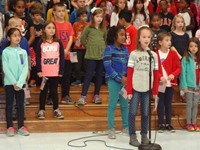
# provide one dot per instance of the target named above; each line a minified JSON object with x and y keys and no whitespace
{"x":94,"y":41}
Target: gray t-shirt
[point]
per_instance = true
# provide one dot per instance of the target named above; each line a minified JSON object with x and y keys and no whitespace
{"x":139,"y":61}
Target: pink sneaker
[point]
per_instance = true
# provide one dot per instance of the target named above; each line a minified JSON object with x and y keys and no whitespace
{"x":196,"y":128}
{"x":190,"y":127}
{"x":10,"y":132}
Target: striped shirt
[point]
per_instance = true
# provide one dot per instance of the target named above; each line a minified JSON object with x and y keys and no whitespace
{"x":115,"y":62}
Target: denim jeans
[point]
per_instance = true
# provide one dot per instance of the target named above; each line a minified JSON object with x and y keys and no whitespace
{"x":165,"y":105}
{"x":93,"y":66}
{"x":114,"y":89}
{"x":11,"y":94}
{"x":143,"y":98}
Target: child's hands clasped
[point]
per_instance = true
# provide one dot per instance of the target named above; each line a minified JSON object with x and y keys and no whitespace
{"x":185,"y":90}
{"x":40,"y":74}
{"x":129,"y":96}
{"x":163,"y":80}
{"x":171,"y":77}
{"x":16,"y":87}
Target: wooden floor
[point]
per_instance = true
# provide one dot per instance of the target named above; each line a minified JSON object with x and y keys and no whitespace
{"x":83,"y":118}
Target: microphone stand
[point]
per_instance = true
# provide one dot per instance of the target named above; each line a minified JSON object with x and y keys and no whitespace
{"x":150,"y":146}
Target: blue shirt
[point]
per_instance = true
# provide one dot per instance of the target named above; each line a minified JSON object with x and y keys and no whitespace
{"x":115,"y":62}
{"x":73,"y":18}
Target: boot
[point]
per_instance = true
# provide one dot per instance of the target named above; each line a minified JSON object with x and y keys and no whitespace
{"x":144,"y":139}
{"x":134,"y":141}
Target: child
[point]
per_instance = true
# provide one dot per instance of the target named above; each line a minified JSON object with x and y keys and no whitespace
{"x":119,"y":5}
{"x":50,"y":16}
{"x":65,"y":33}
{"x":155,"y":22}
{"x":18,"y":8}
{"x":115,"y":62}
{"x":15,"y":69}
{"x":189,"y":82}
{"x":197,"y":34}
{"x":139,"y":16}
{"x":36,"y":13}
{"x":169,"y":69}
{"x":166,"y":17}
{"x":138,"y":71}
{"x":179,"y":36}
{"x":50,"y":64}
{"x":125,"y":17}
{"x":78,"y":28}
{"x":187,"y":15}
{"x":73,"y":16}
{"x":94,"y":53}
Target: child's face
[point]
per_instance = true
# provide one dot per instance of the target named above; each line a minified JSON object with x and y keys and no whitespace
{"x":121,"y":21}
{"x":163,"y":6}
{"x":179,"y":23}
{"x":98,"y":19}
{"x":165,"y":43}
{"x":19,"y":8}
{"x":37,"y":17}
{"x":15,"y":38}
{"x":50,"y":30}
{"x":83,"y":17}
{"x":183,"y":5}
{"x":59,"y":13}
{"x":155,"y":22}
{"x":139,"y":6}
{"x":121,"y":4}
{"x":103,"y":6}
{"x":193,"y":48}
{"x":145,"y":38}
{"x":81,"y":3}
{"x":121,"y":37}
{"x":16,"y":24}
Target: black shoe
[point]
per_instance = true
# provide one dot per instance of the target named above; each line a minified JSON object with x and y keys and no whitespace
{"x":170,"y":128}
{"x":161,"y":128}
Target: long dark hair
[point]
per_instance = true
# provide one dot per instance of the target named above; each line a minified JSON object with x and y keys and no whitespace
{"x":142,"y":10}
{"x":112,"y":34}
{"x":186,"y":52}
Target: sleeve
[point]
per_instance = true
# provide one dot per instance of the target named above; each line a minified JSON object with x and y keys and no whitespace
{"x":62,"y":59}
{"x":133,"y":38}
{"x":113,"y":21}
{"x":107,"y":60}
{"x":74,"y":29}
{"x":38,"y":57}
{"x":192,"y":23}
{"x":22,"y":78}
{"x":129,"y":83}
{"x":26,"y":46}
{"x":66,"y":16}
{"x":84,"y":36}
{"x":177,"y":64}
{"x":6,"y":68}
{"x":183,"y":83}
{"x":49,"y":15}
{"x":72,"y":17}
{"x":155,"y":75}
{"x":71,"y":30}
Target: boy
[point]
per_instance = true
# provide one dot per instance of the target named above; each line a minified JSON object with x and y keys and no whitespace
{"x":36,"y":13}
{"x":65,"y":33}
{"x":78,"y":47}
{"x":166,"y":17}
{"x":73,"y":16}
{"x":125,"y":17}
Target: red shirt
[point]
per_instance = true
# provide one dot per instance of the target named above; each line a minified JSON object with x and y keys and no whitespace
{"x":197,"y":71}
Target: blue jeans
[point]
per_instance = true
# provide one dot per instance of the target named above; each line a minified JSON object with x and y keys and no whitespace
{"x":114,"y":89}
{"x":143,"y":98}
{"x":93,"y":66}
{"x":165,"y":105}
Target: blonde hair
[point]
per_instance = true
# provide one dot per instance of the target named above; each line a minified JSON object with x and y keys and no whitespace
{"x":92,"y":22}
{"x":161,"y":36}
{"x":14,"y":20}
{"x":174,"y":21}
{"x":138,"y":44}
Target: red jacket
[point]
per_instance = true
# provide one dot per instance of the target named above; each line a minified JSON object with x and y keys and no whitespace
{"x":171,"y":65}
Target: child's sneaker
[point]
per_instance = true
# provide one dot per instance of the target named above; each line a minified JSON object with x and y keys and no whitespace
{"x":190,"y":127}
{"x":111,"y":134}
{"x":170,"y":128}
{"x":10,"y":132}
{"x":196,"y":128}
{"x":23,"y":131}
{"x":41,"y":115}
{"x":125,"y":131}
{"x":82,"y":100}
{"x":161,"y":128}
{"x":77,"y":83}
{"x":97,"y":99}
{"x":58,"y":114}
{"x":67,"y":100}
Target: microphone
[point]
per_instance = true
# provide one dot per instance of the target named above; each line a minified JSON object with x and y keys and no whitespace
{"x":149,"y":52}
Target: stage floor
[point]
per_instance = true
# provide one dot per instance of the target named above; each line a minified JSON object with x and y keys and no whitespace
{"x":181,"y":140}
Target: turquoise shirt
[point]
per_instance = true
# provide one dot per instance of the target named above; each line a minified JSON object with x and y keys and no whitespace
{"x":15,"y":66}
{"x":188,"y":73}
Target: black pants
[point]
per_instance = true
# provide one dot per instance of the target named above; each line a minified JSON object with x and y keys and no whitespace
{"x":52,"y":85}
{"x":65,"y":81}
{"x":11,"y":94}
{"x":79,"y":67}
